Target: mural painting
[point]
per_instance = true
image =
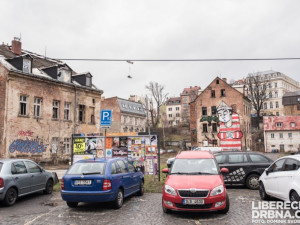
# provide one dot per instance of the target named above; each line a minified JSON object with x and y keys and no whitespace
{"x":27,"y":146}
{"x":230,"y":134}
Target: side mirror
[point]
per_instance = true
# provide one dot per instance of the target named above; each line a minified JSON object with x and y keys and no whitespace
{"x":267,"y":171}
{"x":224,"y":170}
{"x":165,"y":170}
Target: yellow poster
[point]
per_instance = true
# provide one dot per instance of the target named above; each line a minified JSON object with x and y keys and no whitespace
{"x":79,"y":146}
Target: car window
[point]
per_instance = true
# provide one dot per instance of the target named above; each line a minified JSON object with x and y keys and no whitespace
{"x":87,"y":168}
{"x":130,"y":167}
{"x":291,"y":164}
{"x":277,"y":166}
{"x":258,"y":158}
{"x":194,"y":166}
{"x":122,"y":166}
{"x":18,"y":168}
{"x":33,"y":168}
{"x":220,"y":158}
{"x":236,"y":158}
{"x":113,"y":168}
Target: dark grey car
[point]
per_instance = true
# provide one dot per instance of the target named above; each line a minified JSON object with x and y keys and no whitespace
{"x":19,"y":177}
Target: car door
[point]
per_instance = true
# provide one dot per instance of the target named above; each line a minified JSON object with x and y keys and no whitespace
{"x":37,"y":176}
{"x":271,"y":182}
{"x":21,"y":177}
{"x":134,"y":176}
{"x":126,"y":177}
{"x":259,"y":162}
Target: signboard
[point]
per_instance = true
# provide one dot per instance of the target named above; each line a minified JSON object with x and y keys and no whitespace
{"x":79,"y":146}
{"x":105,"y":118}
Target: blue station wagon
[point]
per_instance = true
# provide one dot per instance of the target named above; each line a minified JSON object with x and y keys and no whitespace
{"x":101,"y":180}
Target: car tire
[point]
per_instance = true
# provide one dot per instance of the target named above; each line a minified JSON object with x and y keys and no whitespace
{"x":294,"y":197}
{"x":49,"y":187}
{"x":10,"y":196}
{"x":165,"y":210}
{"x":118,"y":202}
{"x":252,"y":182}
{"x":262,"y":192}
{"x":72,"y":204}
{"x":142,"y":189}
{"x":226,"y":209}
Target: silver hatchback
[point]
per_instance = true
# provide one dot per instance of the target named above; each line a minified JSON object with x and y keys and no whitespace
{"x":19,"y":177}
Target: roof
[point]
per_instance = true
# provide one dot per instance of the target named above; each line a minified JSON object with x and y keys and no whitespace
{"x":264,"y":72}
{"x":288,"y":123}
{"x":195,"y":154}
{"x":174,"y":101}
{"x":131,"y":107}
{"x":190,"y":90}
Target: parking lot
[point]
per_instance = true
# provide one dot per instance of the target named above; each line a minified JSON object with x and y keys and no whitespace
{"x":50,"y":209}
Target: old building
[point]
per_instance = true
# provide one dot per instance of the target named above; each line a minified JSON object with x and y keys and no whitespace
{"x":291,"y":103}
{"x":186,"y":96}
{"x":43,"y":102}
{"x":282,"y":133}
{"x":220,"y":117}
{"x":127,"y":116}
{"x":173,"y":111}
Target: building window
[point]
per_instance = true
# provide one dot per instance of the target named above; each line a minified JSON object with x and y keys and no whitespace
{"x":26,"y":66}
{"x":275,"y":85}
{"x":272,"y":135}
{"x":177,"y":122}
{"x":23,"y":105}
{"x":271,"y":105}
{"x":136,"y":121}
{"x":270,"y":85}
{"x":204,"y":128}
{"x":66,"y":145}
{"x":280,"y":135}
{"x":270,"y":95}
{"x":277,"y":105}
{"x":217,"y":82}
{"x":170,"y":109}
{"x":204,"y":111}
{"x":214,"y":127}
{"x":293,"y":124}
{"x":290,"y":135}
{"x":298,"y":107}
{"x":125,"y":118}
{"x":278,"y":124}
{"x":54,"y":144}
{"x":170,"y":115}
{"x":213,"y":110}
{"x":55,"y":114}
{"x":277,"y":113}
{"x":276,"y":94}
{"x":92,"y":115}
{"x":223,"y":93}
{"x":177,"y":114}
{"x":67,"y":111}
{"x":81,"y":113}
{"x":177,"y":108}
{"x":213,"y":93}
{"x":265,"y":105}
{"x":37,"y":107}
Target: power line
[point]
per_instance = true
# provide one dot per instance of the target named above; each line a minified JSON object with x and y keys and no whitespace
{"x":178,"y":60}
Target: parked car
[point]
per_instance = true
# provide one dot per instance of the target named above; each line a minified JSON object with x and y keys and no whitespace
{"x":19,"y":177}
{"x":170,"y":162}
{"x":281,"y":180}
{"x":195,"y":183}
{"x":244,"y":167}
{"x":101,"y":180}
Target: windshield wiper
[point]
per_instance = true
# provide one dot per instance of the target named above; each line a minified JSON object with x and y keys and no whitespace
{"x":179,"y":173}
{"x":202,"y":173}
{"x":90,"y":173}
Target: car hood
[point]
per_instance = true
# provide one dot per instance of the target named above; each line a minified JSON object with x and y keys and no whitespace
{"x":194,"y":181}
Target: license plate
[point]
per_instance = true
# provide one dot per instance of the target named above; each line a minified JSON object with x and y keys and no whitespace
{"x":193,"y":201}
{"x":83,"y":182}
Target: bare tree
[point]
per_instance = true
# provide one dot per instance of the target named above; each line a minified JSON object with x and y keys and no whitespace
{"x":157,"y":92}
{"x":257,"y":87}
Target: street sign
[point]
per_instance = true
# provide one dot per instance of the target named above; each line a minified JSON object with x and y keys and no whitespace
{"x":105,"y":118}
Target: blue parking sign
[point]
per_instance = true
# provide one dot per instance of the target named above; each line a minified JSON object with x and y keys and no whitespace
{"x":105,"y":117}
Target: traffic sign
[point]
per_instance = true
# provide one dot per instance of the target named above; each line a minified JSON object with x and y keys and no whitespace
{"x":105,"y":118}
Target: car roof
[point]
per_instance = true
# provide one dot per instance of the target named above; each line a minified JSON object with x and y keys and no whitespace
{"x":195,"y":154}
{"x":98,"y":160}
{"x":237,"y":152}
{"x":13,"y":160}
{"x":292,"y":156}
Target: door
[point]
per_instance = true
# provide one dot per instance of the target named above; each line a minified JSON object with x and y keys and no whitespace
{"x":37,"y":176}
{"x":126,"y":177}
{"x":134,"y":176}
{"x":21,"y":177}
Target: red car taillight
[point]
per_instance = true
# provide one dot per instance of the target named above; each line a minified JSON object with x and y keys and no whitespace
{"x":62,"y":184}
{"x":1,"y":183}
{"x":106,"y":185}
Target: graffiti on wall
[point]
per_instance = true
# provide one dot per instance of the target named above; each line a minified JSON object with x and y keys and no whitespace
{"x":27,"y":133}
{"x":27,"y":146}
{"x":230,"y":134}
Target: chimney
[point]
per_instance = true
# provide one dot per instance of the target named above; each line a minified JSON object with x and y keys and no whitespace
{"x":17,"y":46}
{"x":225,"y":79}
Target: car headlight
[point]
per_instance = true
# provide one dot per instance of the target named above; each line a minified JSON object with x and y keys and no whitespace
{"x":217,"y":190}
{"x":169,"y":190}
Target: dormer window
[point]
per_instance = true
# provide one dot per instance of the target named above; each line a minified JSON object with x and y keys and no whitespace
{"x":88,"y":81}
{"x":26,"y":66}
{"x":64,"y":75}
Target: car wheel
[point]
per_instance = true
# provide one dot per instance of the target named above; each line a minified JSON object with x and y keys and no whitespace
{"x":142,"y":189}
{"x":226,"y":209}
{"x":252,"y":181}
{"x":165,"y":210}
{"x":262,"y":192}
{"x":49,"y":187}
{"x":72,"y":204}
{"x":10,"y":197}
{"x":118,"y":202}
{"x":294,"y":197}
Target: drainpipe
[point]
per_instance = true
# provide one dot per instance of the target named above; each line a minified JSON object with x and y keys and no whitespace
{"x":75,"y":121}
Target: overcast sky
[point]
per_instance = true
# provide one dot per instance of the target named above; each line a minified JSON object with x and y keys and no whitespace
{"x":158,"y":29}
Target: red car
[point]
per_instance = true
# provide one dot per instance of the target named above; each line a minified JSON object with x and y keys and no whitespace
{"x":195,"y":183}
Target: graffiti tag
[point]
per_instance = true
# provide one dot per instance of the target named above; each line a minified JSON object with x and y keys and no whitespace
{"x":27,"y":146}
{"x":27,"y":133}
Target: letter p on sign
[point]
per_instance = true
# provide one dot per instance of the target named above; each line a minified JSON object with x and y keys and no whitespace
{"x":105,"y":118}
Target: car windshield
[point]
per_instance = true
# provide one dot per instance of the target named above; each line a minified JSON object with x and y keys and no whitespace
{"x":1,"y":166}
{"x":194,"y":167}
{"x":87,"y":168}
